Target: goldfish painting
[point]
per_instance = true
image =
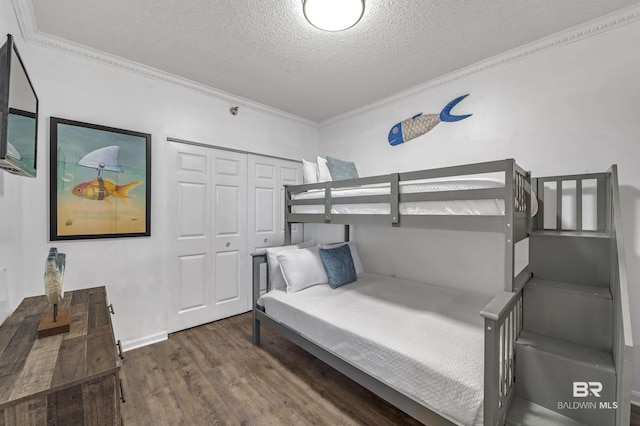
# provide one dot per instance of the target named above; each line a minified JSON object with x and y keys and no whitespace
{"x":102,"y":178}
{"x":101,"y":189}
{"x":420,"y":124}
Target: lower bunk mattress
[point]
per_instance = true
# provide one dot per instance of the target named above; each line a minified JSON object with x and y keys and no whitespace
{"x":423,"y":340}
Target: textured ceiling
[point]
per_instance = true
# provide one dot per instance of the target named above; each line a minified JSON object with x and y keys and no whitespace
{"x":265,"y":51}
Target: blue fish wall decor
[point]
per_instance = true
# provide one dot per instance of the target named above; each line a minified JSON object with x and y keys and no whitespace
{"x":420,"y":124}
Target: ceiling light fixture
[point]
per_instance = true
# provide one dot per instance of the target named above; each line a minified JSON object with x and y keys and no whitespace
{"x":333,"y":15}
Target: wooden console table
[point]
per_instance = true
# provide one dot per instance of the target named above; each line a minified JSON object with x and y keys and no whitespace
{"x":67,"y":379}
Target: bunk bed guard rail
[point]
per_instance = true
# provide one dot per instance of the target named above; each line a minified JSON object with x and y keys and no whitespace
{"x":502,"y":325}
{"x":517,"y":187}
{"x":515,"y":223}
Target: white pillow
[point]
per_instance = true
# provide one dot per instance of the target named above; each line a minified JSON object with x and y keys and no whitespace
{"x":324,"y":175}
{"x":302,"y":268}
{"x":276,"y":280}
{"x":309,"y":172}
{"x":354,"y":254}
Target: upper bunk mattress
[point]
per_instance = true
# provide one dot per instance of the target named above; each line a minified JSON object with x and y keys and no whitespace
{"x":493,"y":207}
{"x":423,"y":340}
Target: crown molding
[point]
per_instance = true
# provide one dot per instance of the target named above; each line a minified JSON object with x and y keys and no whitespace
{"x":27,"y":23}
{"x":26,"y":17}
{"x":28,"y":28}
{"x":588,"y":29}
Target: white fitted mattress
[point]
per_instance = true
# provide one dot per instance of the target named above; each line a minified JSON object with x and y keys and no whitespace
{"x":423,"y":340}
{"x":493,"y":207}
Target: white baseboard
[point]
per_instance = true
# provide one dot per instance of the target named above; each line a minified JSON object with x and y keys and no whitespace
{"x":144,"y":341}
{"x":635,"y":398}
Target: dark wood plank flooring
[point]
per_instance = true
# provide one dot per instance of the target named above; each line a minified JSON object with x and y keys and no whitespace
{"x":213,"y":375}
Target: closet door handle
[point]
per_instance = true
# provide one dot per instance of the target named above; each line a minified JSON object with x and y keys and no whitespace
{"x":265,"y":240}
{"x":228,"y":244}
{"x":111,"y":308}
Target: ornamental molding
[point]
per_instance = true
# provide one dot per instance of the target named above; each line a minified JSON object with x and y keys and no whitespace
{"x":27,"y":22}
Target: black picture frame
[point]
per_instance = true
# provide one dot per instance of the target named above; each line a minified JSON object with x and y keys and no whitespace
{"x":100,"y":181}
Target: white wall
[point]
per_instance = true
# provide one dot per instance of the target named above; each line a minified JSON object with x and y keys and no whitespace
{"x":563,"y":110}
{"x":11,"y":201}
{"x":134,"y":269}
{"x":569,"y":109}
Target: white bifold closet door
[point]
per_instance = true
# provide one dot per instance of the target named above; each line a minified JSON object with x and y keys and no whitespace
{"x":210,"y":244}
{"x":267,"y":177}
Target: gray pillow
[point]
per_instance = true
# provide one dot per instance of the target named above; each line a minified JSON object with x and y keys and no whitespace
{"x":341,"y":170}
{"x":338,"y":264}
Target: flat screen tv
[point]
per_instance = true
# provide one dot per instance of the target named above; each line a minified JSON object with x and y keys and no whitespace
{"x":18,"y":114}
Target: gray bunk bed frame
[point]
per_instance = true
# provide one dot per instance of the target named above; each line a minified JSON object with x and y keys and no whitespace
{"x":503,"y":315}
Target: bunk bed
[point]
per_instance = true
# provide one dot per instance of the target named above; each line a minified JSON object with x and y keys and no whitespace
{"x":446,"y":198}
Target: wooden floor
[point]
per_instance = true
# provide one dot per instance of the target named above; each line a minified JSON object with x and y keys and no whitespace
{"x":213,"y":375}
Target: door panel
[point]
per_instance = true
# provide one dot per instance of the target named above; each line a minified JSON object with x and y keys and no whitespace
{"x":227,"y":276}
{"x":265,"y":169}
{"x":267,"y":177}
{"x":232,"y":290}
{"x":264,"y":230}
{"x":209,"y":222}
{"x":192,"y":205}
{"x":227,"y":219}
{"x":190,"y":184}
{"x":193,"y":288}
{"x":265,"y":205}
{"x":193,"y":162}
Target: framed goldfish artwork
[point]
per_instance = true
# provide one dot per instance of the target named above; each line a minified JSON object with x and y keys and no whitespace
{"x":100,"y":183}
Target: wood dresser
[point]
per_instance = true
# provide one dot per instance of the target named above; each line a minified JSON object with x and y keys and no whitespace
{"x":67,"y":379}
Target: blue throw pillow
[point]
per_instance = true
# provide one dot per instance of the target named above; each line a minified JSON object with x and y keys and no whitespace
{"x":338,"y":264}
{"x":341,"y":170}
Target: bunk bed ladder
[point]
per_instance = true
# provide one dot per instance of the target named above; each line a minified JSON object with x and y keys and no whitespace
{"x":574,"y":349}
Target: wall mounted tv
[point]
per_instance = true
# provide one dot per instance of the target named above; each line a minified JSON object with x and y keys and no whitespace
{"x":18,"y":114}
